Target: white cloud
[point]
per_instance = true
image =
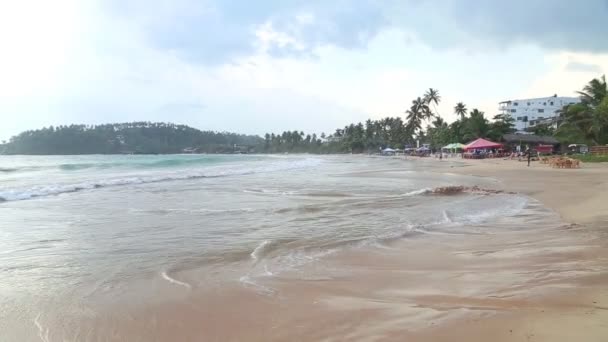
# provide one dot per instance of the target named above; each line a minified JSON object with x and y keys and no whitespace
{"x":304,"y":65}
{"x":561,"y":80}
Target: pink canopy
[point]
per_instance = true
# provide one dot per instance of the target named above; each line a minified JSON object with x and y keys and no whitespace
{"x":481,"y":144}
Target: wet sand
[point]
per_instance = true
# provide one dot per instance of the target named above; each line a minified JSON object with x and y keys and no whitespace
{"x":579,"y":313}
{"x":578,"y":195}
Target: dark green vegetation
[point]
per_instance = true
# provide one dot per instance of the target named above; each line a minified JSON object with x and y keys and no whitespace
{"x":586,"y":122}
{"x":135,"y":137}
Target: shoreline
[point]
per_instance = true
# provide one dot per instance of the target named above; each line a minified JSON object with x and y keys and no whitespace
{"x":578,"y":195}
{"x":578,"y":313}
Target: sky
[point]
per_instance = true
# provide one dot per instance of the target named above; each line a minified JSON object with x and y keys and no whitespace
{"x":270,"y":65}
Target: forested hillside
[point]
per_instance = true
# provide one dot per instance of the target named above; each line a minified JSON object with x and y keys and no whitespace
{"x":134,"y":137}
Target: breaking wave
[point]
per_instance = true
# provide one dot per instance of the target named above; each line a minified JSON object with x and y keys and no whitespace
{"x":56,"y":189}
{"x":175,"y":281}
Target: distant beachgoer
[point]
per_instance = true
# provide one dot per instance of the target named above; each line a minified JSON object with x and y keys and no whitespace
{"x":529,"y":155}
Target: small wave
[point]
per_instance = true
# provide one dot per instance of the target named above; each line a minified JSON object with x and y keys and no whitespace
{"x":459,"y":189}
{"x":257,"y":252}
{"x":305,"y":209}
{"x":446,"y":217}
{"x":56,"y":189}
{"x":43,"y":332}
{"x":267,"y":272}
{"x":175,"y":281}
{"x":269,"y":192}
{"x":166,"y":162}
{"x":248,"y":281}
{"x":191,"y":211}
{"x":418,"y":192}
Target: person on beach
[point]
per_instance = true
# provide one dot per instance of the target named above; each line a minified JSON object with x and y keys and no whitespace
{"x":529,"y":155}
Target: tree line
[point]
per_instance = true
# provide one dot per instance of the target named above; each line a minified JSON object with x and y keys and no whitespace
{"x":584,"y":122}
{"x":132,"y":137}
{"x":396,"y":132}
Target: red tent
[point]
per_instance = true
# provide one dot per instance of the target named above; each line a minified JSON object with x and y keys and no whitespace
{"x":481,"y":144}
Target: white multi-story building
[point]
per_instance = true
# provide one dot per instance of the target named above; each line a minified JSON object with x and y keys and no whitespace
{"x":529,"y":112}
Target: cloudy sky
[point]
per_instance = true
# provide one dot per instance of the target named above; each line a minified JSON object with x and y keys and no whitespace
{"x":273,"y":65}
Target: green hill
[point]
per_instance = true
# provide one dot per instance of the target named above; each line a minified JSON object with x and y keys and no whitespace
{"x":133,"y":137}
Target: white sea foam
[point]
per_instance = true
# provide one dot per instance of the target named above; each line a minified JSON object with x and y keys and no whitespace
{"x":510,"y":206}
{"x":175,"y":281}
{"x":248,"y":281}
{"x":267,"y":272}
{"x":15,"y":194}
{"x":270,"y":192}
{"x":255,"y":255}
{"x":43,"y":332}
{"x":417,"y":192}
{"x":446,"y":217}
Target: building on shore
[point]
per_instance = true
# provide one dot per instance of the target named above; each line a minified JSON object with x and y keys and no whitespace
{"x":528,"y":113}
{"x":518,"y":142}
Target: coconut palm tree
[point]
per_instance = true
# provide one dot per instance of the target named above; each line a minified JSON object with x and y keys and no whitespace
{"x":414,"y":119}
{"x":438,"y":122}
{"x":432,"y":97}
{"x":418,"y":112}
{"x":424,"y":108}
{"x":594,"y":92}
{"x":587,"y":120}
{"x":461,"y":110}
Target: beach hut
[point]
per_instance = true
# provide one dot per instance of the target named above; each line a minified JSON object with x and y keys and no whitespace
{"x":518,"y":142}
{"x":453,"y":146}
{"x":481,"y":144}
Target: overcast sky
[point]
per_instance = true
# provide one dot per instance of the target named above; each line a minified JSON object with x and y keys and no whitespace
{"x":272,"y":65}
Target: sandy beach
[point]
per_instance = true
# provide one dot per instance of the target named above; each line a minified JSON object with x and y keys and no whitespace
{"x":576,"y":314}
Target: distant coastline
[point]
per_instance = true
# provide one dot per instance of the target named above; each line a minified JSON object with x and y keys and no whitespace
{"x":127,"y":138}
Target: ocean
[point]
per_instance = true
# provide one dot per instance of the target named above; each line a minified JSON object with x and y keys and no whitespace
{"x":126,"y":248}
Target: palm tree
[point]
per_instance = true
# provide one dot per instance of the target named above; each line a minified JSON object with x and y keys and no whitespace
{"x":476,"y":126}
{"x":414,"y":119}
{"x":424,"y":108}
{"x":587,"y":120}
{"x":438,"y":122}
{"x":418,"y":111}
{"x":432,"y":97}
{"x":594,"y":92}
{"x":461,"y":110}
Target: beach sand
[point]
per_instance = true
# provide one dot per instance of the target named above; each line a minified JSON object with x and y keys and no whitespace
{"x":580,"y":196}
